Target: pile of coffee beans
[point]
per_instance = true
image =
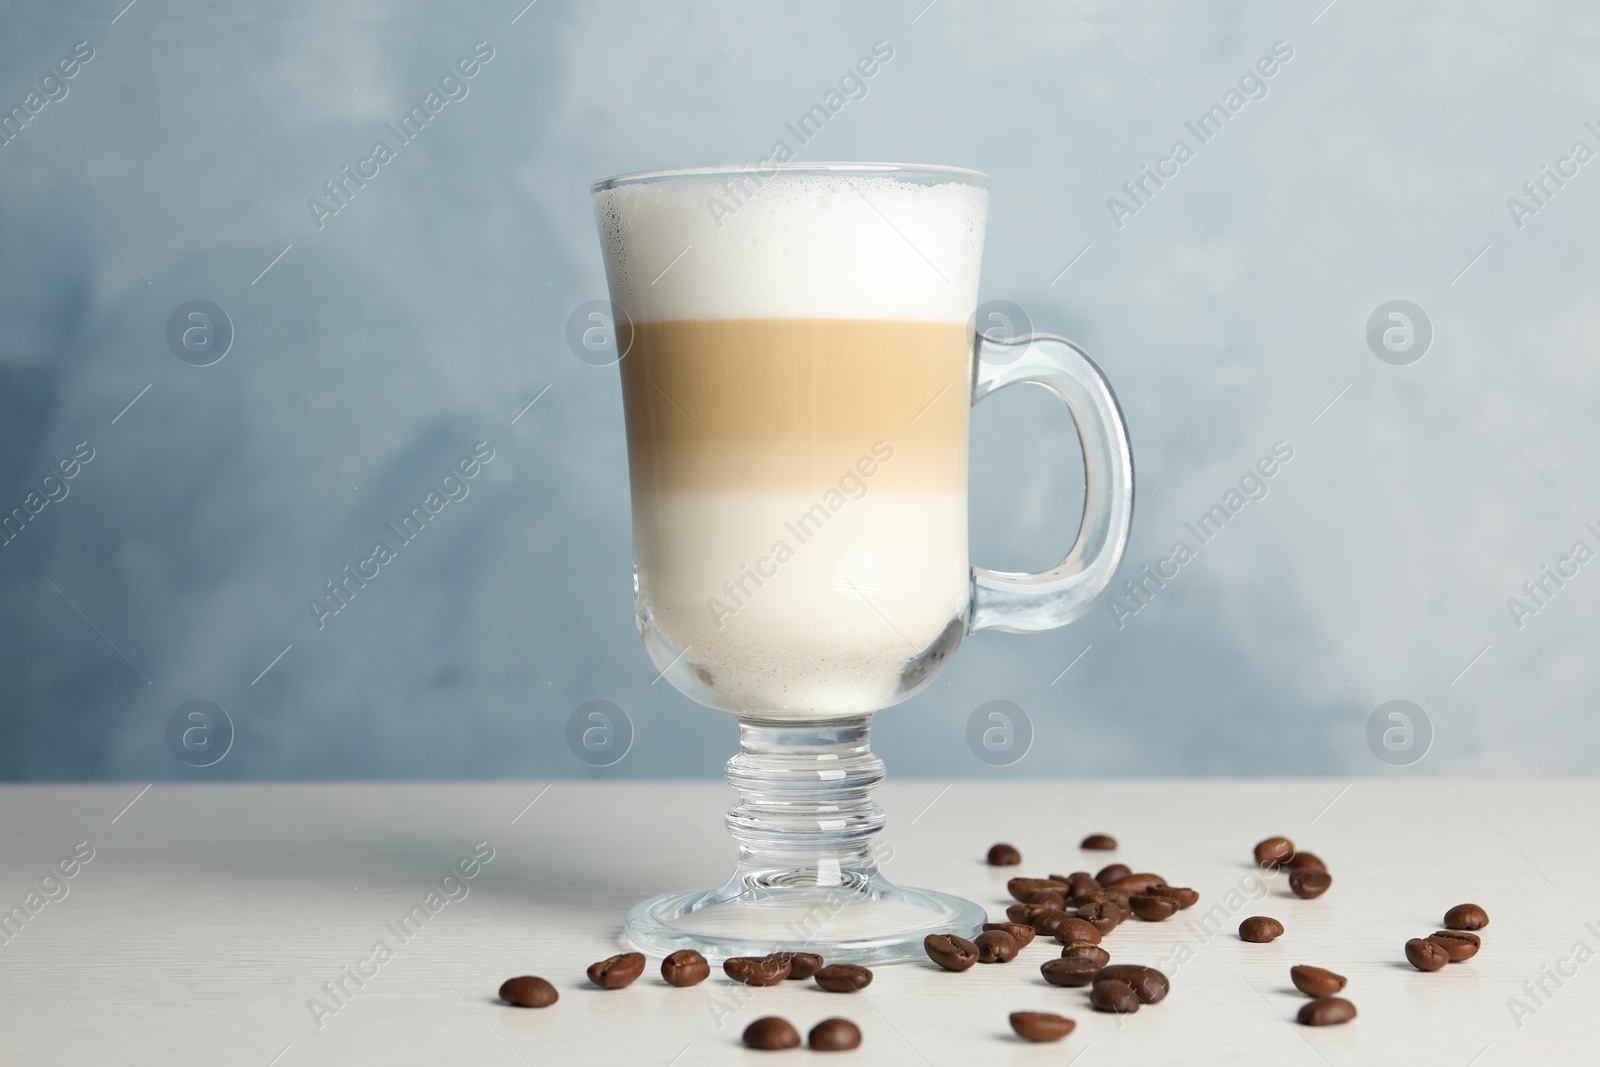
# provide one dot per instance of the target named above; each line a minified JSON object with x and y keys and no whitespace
{"x":1076,"y":911}
{"x":1454,"y":944}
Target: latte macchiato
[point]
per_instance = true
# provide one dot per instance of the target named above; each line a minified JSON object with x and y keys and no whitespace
{"x":797,"y":382}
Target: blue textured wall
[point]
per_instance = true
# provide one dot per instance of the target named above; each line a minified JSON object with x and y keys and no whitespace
{"x":1229,"y":305}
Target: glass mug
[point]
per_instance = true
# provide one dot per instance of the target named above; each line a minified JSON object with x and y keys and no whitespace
{"x":798,"y":361}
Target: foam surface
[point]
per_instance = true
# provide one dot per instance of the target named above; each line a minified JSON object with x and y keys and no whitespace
{"x":795,"y":245}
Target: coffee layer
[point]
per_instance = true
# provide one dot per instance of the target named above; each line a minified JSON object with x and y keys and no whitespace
{"x":792,"y":405}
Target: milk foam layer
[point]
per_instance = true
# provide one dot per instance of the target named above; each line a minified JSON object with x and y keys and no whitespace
{"x":794,"y":245}
{"x":823,"y":625}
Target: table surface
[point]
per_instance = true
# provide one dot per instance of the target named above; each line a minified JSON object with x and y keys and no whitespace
{"x":210,"y":916}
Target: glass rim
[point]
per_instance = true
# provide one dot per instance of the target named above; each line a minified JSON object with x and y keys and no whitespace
{"x":759,"y":170}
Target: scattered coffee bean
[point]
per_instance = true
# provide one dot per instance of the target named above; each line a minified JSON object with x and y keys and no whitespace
{"x":1260,"y":929}
{"x":1104,"y":917}
{"x":756,"y":970}
{"x":1022,"y":932}
{"x":1316,"y":981}
{"x":1049,"y":898}
{"x":1099,"y":843}
{"x":1326,"y":1011}
{"x":1041,"y":1025}
{"x":950,"y":952}
{"x":1302,"y":861}
{"x":843,"y":978}
{"x":771,"y":1033}
{"x":1072,"y":930}
{"x":1117,"y":894}
{"x":1111,"y":872}
{"x":1140,"y":882}
{"x":1023,"y":888}
{"x":995,"y":946}
{"x":1149,"y":984}
{"x":1086,"y":950}
{"x":1182,"y":895}
{"x":834,"y":1035}
{"x":802,"y":965}
{"x":1113,"y":995}
{"x":1025,"y":913}
{"x":685,"y":967}
{"x":1152,"y":908}
{"x":529,"y":992}
{"x":1308,"y":883}
{"x":1426,"y":955}
{"x":1273,"y":851}
{"x":1081,"y":884}
{"x":1048,"y":922}
{"x":618,"y":971}
{"x":1466,"y":917}
{"x":1069,"y":971}
{"x":1002,"y":855}
{"x":1458,"y":944}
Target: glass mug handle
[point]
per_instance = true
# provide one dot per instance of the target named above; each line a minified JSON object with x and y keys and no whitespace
{"x":1044,"y":600}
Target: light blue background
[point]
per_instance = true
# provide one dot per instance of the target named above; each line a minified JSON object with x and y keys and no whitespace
{"x":1229,"y":312}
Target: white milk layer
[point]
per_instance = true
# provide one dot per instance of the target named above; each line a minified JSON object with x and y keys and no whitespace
{"x":793,"y":607}
{"x":794,"y":245}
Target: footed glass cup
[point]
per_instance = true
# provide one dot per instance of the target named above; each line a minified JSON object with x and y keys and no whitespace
{"x":799,"y":355}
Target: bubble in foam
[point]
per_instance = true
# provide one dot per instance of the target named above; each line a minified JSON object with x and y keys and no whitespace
{"x":796,"y":244}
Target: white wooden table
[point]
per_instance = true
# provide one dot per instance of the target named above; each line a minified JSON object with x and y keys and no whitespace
{"x":210,"y":915}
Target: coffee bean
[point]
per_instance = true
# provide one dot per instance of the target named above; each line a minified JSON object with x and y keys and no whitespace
{"x":1023,"y":888}
{"x":1086,"y":950}
{"x":1050,"y":898}
{"x":802,"y":965}
{"x":1305,"y":861}
{"x":1099,"y":843}
{"x":1326,"y":1011}
{"x":529,"y":992}
{"x":1072,"y":930}
{"x":1308,"y":883}
{"x":1426,"y":955}
{"x":1041,"y":1025}
{"x":685,"y":967}
{"x":834,"y":1035}
{"x":1104,"y":917}
{"x":1025,"y":913}
{"x":995,"y":946}
{"x":1113,"y":995}
{"x":843,"y":978}
{"x":1147,"y":983}
{"x":770,"y":1032}
{"x":618,"y":971}
{"x":1466,"y":917}
{"x":1260,"y":929}
{"x":1154,"y":909}
{"x":1458,"y":944}
{"x":1069,"y":971}
{"x":1022,"y":932}
{"x":1138,"y":883}
{"x":1120,"y":895}
{"x":950,"y":952}
{"x":1111,"y":872}
{"x":1273,"y":851}
{"x":756,"y":970}
{"x":1048,"y":922}
{"x":1081,"y":884}
{"x":1183,"y":896}
{"x":1002,"y":855}
{"x":1316,"y":981}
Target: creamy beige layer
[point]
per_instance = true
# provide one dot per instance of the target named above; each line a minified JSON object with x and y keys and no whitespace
{"x":789,"y":405}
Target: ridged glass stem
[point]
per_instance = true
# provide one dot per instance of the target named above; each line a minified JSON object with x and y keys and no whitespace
{"x":805,"y":814}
